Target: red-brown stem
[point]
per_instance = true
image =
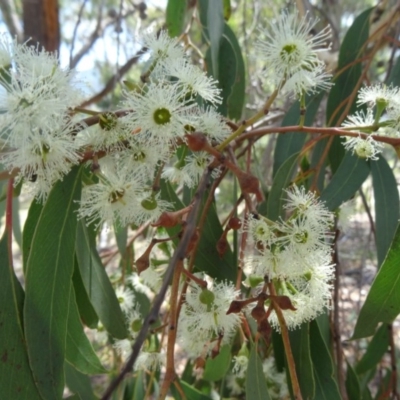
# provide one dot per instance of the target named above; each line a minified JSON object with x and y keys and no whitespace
{"x":393,"y":362}
{"x":170,"y":374}
{"x":194,"y":278}
{"x":287,"y":346}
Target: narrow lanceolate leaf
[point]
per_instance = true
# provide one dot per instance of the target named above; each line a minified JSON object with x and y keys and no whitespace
{"x":79,"y":351}
{"x":216,"y":368}
{"x":34,"y":212}
{"x":97,"y":284}
{"x":16,"y":379}
{"x":215,"y":25}
{"x":256,"y":384}
{"x":386,"y":205}
{"x":78,"y":383}
{"x":383,"y":300}
{"x":282,"y":180}
{"x":290,"y":143}
{"x":175,"y":16}
{"x":326,"y":387}
{"x":352,"y":384}
{"x":48,"y":285}
{"x":375,"y":350}
{"x":349,"y":177}
{"x":300,"y":343}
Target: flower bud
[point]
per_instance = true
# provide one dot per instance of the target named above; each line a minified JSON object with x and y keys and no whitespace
{"x":196,"y":141}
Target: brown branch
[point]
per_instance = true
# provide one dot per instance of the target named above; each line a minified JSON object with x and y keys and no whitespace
{"x":179,"y":254}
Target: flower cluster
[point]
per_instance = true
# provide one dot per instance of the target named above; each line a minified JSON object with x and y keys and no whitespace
{"x":296,"y":256}
{"x":36,"y":129}
{"x":203,"y":320}
{"x":291,"y":53}
{"x":382,"y":118}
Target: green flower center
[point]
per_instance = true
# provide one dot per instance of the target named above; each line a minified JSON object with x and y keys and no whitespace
{"x":116,"y":195}
{"x":301,"y":237}
{"x":108,"y":121}
{"x":162,"y":116}
{"x":139,"y":156}
{"x":149,"y":204}
{"x":289,"y":53}
{"x":136,"y":325}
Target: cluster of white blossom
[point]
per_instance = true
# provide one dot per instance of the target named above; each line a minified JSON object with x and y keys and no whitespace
{"x":382,"y":118}
{"x":296,"y":256}
{"x":36,"y":130}
{"x":204,"y":320}
{"x":290,"y":52}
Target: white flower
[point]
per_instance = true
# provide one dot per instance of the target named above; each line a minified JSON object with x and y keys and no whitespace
{"x":148,"y":282}
{"x":379,"y":92}
{"x":194,"y":168}
{"x":6,"y":49}
{"x":240,"y":367}
{"x":360,"y":119}
{"x":277,"y":383}
{"x":288,"y":46}
{"x":125,"y":298}
{"x":135,"y":321}
{"x":210,"y":122}
{"x":149,"y":361}
{"x":123,"y":348}
{"x":158,"y":112}
{"x":113,"y":197}
{"x":163,"y":47}
{"x":193,"y":80}
{"x":43,"y":156}
{"x":203,"y":317}
{"x":260,"y":230}
{"x":367,"y":148}
{"x":346,"y":211}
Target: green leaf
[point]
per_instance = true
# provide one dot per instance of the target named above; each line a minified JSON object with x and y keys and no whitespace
{"x":78,"y":383}
{"x":326,"y":387}
{"x":86,"y":310}
{"x":232,"y":78}
{"x":281,"y":181}
{"x":350,"y":69}
{"x":16,"y":380}
{"x":175,"y":16}
{"x":348,"y":178}
{"x":192,"y":393}
{"x":352,"y":384}
{"x":227,"y":9}
{"x":16,"y":223}
{"x":256,"y":384}
{"x":383,"y":300}
{"x":29,"y":229}
{"x":216,"y":368}
{"x":292,"y":142}
{"x":350,"y":54}
{"x":97,"y":284}
{"x":79,"y":351}
{"x":375,"y":350}
{"x":48,"y":285}
{"x":386,"y":205}
{"x":121,"y":237}
{"x":300,"y":343}
{"x":215,"y":26}
{"x":394,"y":78}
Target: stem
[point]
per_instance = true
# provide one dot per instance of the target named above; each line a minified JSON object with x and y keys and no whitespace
{"x":170,"y":374}
{"x":9,"y":224}
{"x":245,"y":124}
{"x":286,"y":344}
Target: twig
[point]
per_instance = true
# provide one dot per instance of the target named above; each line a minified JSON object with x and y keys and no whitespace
{"x":178,"y":255}
{"x":395,"y":394}
{"x":78,"y":22}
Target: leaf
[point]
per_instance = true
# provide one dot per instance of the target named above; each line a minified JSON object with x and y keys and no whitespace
{"x":79,"y":351}
{"x":86,"y":310}
{"x":175,"y":16}
{"x":346,"y":81}
{"x":394,"y":78}
{"x":292,"y":142}
{"x":300,"y":343}
{"x":231,"y":75}
{"x":217,"y":368}
{"x":383,"y":300}
{"x":326,"y":387}
{"x":16,"y":223}
{"x":281,"y":181}
{"x":353,"y":388}
{"x":78,"y":383}
{"x":227,"y":9}
{"x":29,"y":229}
{"x":192,"y":393}
{"x":375,"y":350}
{"x":121,"y":237}
{"x":386,"y":205}
{"x":215,"y":25}
{"x":48,"y":285}
{"x":256,"y":384}
{"x":97,"y":284}
{"x":16,"y":380}
{"x":348,"y":178}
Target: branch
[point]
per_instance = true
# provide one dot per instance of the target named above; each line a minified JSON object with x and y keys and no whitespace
{"x":178,"y":256}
